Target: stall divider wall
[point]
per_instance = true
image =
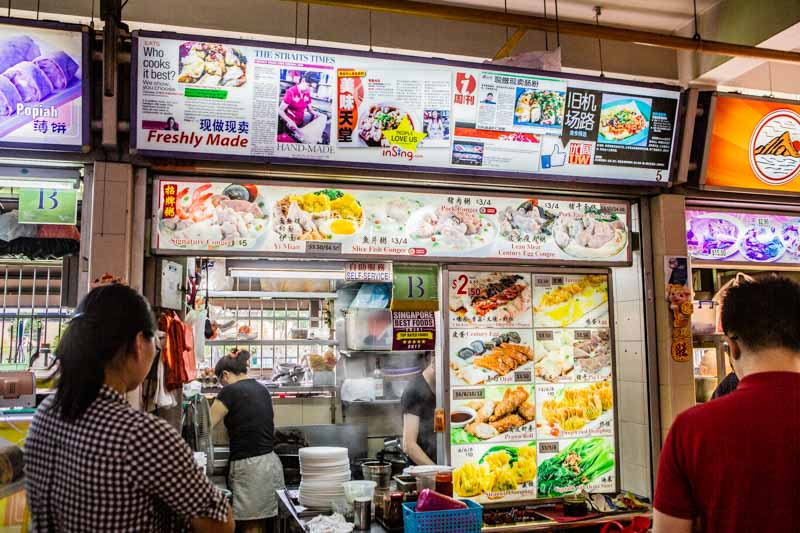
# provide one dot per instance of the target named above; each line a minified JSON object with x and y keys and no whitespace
{"x":676,"y":379}
{"x":631,"y":324}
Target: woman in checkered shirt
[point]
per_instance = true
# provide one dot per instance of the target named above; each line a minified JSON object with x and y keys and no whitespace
{"x":92,"y":463}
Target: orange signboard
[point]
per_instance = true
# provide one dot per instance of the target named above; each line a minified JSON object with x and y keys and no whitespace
{"x":754,"y":144}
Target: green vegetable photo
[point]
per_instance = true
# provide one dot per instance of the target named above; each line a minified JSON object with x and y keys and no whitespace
{"x":580,"y":463}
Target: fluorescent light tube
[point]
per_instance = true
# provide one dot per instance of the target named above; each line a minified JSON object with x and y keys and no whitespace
{"x":288,"y":274}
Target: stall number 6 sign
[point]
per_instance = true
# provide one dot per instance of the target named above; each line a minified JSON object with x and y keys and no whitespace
{"x":48,"y":206}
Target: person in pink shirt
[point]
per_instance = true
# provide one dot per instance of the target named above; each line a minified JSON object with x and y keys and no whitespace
{"x":296,"y":102}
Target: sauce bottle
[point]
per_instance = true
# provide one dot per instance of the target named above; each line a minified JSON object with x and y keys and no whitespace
{"x":444,"y":483}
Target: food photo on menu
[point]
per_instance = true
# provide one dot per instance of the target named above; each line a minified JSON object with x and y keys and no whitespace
{"x":539,"y":108}
{"x":203,"y":64}
{"x":591,"y":233}
{"x":575,"y":410}
{"x":305,"y":107}
{"x":526,"y":221}
{"x":489,"y":473}
{"x":218,"y":215}
{"x":455,"y":228}
{"x":490,"y":356}
{"x":38,"y":75}
{"x":316,"y":215}
{"x":624,"y":120}
{"x":490,"y":299}
{"x":571,"y":301}
{"x":506,"y":413}
{"x":568,"y":355}
{"x":571,"y":466}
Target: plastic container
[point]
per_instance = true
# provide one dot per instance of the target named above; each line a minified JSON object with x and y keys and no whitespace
{"x":704,"y":317}
{"x":358,"y":489}
{"x":369,"y":329}
{"x":377,"y":471}
{"x":323,"y":378}
{"x":426,"y":481}
{"x":467,"y":520}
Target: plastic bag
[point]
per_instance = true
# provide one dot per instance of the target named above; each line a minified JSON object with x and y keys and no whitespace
{"x":373,"y":296}
{"x":11,"y":229}
{"x":358,"y":390}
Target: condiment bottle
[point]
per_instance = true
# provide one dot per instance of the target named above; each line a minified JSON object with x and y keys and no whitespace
{"x":394,"y":513}
{"x":438,"y":420}
{"x":444,"y":483}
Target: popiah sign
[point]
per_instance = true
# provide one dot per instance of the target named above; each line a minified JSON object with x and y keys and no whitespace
{"x":44,"y":90}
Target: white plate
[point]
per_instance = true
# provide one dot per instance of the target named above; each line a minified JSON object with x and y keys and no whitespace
{"x":324,"y":482}
{"x":327,"y":477}
{"x":322,"y":452}
{"x":324,"y":464}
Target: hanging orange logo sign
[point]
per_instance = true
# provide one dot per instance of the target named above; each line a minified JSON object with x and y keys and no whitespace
{"x":775,"y":147}
{"x":755,"y":144}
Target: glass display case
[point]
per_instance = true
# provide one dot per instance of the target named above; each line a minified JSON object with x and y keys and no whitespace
{"x":711,"y":365}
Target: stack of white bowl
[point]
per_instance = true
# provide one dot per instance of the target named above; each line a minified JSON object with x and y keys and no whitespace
{"x":323,"y":469}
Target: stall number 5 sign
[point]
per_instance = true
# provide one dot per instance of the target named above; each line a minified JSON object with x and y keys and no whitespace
{"x":415,"y":288}
{"x":48,"y":206}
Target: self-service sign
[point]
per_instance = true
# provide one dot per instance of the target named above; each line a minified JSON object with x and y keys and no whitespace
{"x":48,"y":206}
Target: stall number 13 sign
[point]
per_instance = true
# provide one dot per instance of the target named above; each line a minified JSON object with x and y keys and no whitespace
{"x":48,"y":206}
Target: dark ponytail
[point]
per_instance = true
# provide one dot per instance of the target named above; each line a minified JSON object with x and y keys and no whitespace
{"x":235,"y":363}
{"x":105,"y":322}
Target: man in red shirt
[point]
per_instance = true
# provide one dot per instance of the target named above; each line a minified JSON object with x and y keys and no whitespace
{"x":733,"y":464}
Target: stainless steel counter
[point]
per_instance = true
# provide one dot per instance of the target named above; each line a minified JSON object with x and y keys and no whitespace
{"x":291,"y":519}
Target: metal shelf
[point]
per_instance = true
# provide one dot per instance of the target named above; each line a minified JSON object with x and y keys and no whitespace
{"x":288,"y":342}
{"x":373,"y":402}
{"x":274,"y":295}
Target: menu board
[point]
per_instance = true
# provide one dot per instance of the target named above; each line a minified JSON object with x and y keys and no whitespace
{"x":233,"y":99}
{"x":725,"y":236}
{"x":44,"y":89}
{"x":203,"y":215}
{"x":531,"y":390}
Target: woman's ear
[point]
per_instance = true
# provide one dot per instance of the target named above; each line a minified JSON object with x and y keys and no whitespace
{"x":735,"y":349}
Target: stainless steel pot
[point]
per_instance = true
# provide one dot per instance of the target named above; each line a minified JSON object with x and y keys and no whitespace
{"x":377,"y":471}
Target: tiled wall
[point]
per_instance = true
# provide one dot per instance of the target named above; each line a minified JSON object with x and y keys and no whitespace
{"x":632,"y":400}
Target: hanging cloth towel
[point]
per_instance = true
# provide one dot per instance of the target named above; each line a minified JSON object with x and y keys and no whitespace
{"x":197,"y":320}
{"x":189,"y":364}
{"x":163,"y":399}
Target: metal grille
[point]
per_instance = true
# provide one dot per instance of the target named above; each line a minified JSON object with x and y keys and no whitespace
{"x":31,"y":315}
{"x":264,"y":325}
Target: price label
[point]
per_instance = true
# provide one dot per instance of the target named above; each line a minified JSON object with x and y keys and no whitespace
{"x":548,"y":447}
{"x":324,"y":247}
{"x":469,"y":394}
